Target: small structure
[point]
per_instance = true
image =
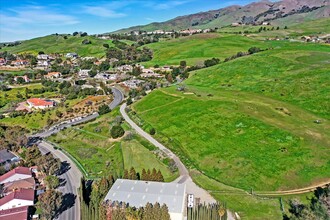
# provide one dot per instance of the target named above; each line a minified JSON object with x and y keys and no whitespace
{"x":38,"y":103}
{"x":43,"y":57}
{"x":3,"y":61}
{"x":138,"y":193}
{"x":19,"y":213}
{"x":7,"y":157}
{"x":133,"y":84}
{"x":53,"y":75}
{"x":18,"y":173}
{"x":25,"y":78}
{"x":18,"y":198}
{"x":20,"y":63}
{"x":71,"y":55}
{"x":83,"y":73}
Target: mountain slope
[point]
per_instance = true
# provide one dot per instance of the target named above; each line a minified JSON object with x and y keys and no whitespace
{"x":256,"y":12}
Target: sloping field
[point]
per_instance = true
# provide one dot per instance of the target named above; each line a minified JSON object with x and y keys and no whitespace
{"x":58,"y":44}
{"x":250,"y":122}
{"x":197,"y":48}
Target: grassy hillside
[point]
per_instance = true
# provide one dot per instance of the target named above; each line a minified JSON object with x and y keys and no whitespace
{"x":197,"y":48}
{"x":249,"y":123}
{"x":57,"y":44}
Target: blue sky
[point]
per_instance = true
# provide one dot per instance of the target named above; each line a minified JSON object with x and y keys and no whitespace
{"x":26,"y":19}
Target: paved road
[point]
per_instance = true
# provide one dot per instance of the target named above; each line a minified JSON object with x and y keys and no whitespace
{"x":69,"y":189}
{"x":73,"y":175}
{"x":184,"y":178}
{"x":117,"y":99}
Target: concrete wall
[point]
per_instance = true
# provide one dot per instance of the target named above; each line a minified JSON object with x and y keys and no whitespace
{"x":176,"y":216}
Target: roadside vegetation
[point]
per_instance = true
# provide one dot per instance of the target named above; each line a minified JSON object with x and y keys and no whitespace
{"x":93,"y":147}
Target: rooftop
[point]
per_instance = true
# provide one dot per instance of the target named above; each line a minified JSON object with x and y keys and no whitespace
{"x":39,"y":102}
{"x":17,"y":170}
{"x":6,"y":155}
{"x":23,"y":194}
{"x":138,"y":193}
{"x":20,"y":213}
{"x":28,"y":183}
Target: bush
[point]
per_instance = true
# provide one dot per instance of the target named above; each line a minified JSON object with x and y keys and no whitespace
{"x":253,"y":50}
{"x":104,"y":109}
{"x":152,"y":131}
{"x":117,"y":131}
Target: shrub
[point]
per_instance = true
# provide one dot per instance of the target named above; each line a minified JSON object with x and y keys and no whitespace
{"x":117,"y":131}
{"x":103,"y":109}
{"x":152,"y":131}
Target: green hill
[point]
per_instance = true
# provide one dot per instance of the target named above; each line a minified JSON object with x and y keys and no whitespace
{"x":250,"y":123}
{"x":58,"y":44}
{"x":282,"y":12}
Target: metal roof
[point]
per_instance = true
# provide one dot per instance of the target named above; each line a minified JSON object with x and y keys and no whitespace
{"x":137,"y":193}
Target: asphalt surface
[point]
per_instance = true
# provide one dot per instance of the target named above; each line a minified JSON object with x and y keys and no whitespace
{"x":184,"y":178}
{"x":118,"y":98}
{"x":70,"y":175}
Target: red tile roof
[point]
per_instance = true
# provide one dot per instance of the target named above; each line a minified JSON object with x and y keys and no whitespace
{"x":53,"y":73}
{"x":20,"y":213}
{"x":28,"y":183}
{"x":39,"y":102}
{"x":17,"y":170}
{"x":23,"y":194}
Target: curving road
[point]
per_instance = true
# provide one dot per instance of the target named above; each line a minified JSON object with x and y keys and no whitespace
{"x":184,"y":178}
{"x":73,"y":175}
{"x":72,"y":182}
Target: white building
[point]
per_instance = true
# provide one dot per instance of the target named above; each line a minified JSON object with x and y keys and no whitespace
{"x":38,"y":103}
{"x":83,"y":73}
{"x":18,"y":198}
{"x":138,"y":193}
{"x":18,"y":173}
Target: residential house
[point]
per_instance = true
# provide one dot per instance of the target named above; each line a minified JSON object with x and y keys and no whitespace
{"x":83,"y":73}
{"x":18,"y":198}
{"x":43,"y":63}
{"x":125,"y":68}
{"x":137,"y":194}
{"x":28,"y":183}
{"x":19,"y":213}
{"x":7,"y":157}
{"x":53,"y":75}
{"x":25,"y":78}
{"x":18,"y":173}
{"x":39,"y":103}
{"x":132,"y":84}
{"x":20,"y":63}
{"x":105,"y":76}
{"x":71,"y":55}
{"x":43,"y":57}
{"x":3,"y":61}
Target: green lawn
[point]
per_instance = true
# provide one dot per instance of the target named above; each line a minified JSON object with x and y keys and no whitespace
{"x":247,"y":206}
{"x":57,"y":44}
{"x":139,"y":157}
{"x":197,"y":48}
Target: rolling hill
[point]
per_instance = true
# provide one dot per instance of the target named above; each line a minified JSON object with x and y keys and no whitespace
{"x":286,"y":12}
{"x":61,"y":44}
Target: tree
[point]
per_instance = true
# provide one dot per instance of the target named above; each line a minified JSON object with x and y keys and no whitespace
{"x":104,"y":109}
{"x":286,"y":27}
{"x":253,"y":50}
{"x":183,"y":64}
{"x":132,"y":174}
{"x":52,"y":182}
{"x":106,"y":45}
{"x":152,"y":131}
{"x":31,"y":155}
{"x":278,"y":28}
{"x":117,"y":131}
{"x":75,"y":33}
{"x":41,"y":52}
{"x":20,"y":80}
{"x":144,"y":175}
{"x":50,"y":203}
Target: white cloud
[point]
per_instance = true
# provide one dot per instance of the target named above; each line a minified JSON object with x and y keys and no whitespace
{"x":167,"y":4}
{"x":102,"y":11}
{"x":35,"y":15}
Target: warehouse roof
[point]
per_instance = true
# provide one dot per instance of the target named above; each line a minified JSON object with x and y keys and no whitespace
{"x":138,"y":193}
